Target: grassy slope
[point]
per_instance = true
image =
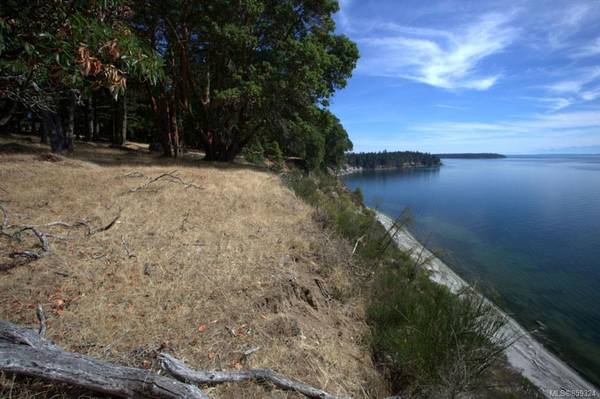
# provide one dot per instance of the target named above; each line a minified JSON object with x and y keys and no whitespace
{"x":234,"y":255}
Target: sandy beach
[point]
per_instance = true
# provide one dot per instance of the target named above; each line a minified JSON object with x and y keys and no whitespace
{"x":550,"y":374}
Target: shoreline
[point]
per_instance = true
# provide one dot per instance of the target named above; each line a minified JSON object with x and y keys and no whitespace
{"x":544,"y":369}
{"x":358,"y":169}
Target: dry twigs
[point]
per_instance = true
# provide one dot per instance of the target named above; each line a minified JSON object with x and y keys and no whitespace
{"x":4,"y":218}
{"x":106,"y":227}
{"x":42,"y":238}
{"x":15,"y":232}
{"x":169,"y":176}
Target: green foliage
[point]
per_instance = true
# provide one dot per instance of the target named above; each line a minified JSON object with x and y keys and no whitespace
{"x":47,"y":48}
{"x":254,"y":153}
{"x":357,"y":195}
{"x":274,"y":154}
{"x":252,"y":68}
{"x":432,"y":343}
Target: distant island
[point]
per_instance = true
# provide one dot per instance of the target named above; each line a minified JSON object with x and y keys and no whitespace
{"x":390,"y":160}
{"x":483,"y":155}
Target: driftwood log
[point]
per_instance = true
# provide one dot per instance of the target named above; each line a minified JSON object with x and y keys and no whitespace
{"x":26,"y":352}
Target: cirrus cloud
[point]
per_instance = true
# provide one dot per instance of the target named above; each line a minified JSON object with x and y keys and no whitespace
{"x":445,"y":59}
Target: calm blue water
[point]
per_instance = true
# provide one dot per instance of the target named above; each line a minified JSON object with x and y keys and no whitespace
{"x":525,"y":229}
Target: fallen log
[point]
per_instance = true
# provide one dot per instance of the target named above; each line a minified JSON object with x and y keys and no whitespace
{"x":24,"y":352}
{"x":180,"y":371}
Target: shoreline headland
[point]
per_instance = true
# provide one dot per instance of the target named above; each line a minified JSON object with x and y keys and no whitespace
{"x":540,"y":366}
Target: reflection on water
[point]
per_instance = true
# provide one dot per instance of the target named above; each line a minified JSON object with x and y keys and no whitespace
{"x":525,"y":228}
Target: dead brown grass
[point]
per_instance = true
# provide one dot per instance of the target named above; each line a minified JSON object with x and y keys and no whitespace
{"x":206,"y":273}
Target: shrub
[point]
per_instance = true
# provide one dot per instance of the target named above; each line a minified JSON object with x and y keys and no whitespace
{"x":357,"y":196}
{"x":254,"y":153}
{"x":274,"y":154}
{"x":431,"y":341}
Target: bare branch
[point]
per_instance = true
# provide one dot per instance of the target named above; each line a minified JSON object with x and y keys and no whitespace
{"x":180,"y":371}
{"x":43,"y":239}
{"x":108,"y":226}
{"x":170,"y":177}
{"x":39,"y":312}
{"x":4,"y":218}
{"x":126,"y":247}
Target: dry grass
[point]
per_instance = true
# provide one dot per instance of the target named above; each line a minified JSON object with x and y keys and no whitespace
{"x":206,"y":273}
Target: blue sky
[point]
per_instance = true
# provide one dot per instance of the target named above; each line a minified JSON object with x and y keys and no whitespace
{"x":513,"y":77}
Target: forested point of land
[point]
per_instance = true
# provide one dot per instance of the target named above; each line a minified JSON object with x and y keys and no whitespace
{"x":225,"y":77}
{"x":388,"y":160}
{"x":483,"y":155}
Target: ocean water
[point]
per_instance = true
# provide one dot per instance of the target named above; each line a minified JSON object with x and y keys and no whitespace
{"x":525,"y":230}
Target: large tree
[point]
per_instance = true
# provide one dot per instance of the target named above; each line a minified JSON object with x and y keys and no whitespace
{"x":240,"y":66}
{"x":53,"y":52}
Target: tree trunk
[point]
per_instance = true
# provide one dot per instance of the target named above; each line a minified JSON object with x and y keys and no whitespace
{"x":96,"y":132}
{"x":53,"y":130}
{"x":174,"y":129}
{"x":89,"y":119}
{"x":44,"y":134}
{"x":165,"y":129}
{"x":8,"y":114}
{"x":120,"y":121}
{"x":217,"y":149}
{"x":70,"y":131}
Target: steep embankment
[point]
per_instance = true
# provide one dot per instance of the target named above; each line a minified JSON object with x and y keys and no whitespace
{"x":526,"y":355}
{"x":206,"y":262}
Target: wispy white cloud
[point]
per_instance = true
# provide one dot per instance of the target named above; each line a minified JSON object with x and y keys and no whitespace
{"x":587,"y":50}
{"x":446,"y":59}
{"x":590,"y":94}
{"x":552,"y":103}
{"x":577,"y":89}
{"x":342,"y":14}
{"x":450,"y":106}
{"x":576,"y":84}
{"x":562,"y":23}
{"x":547,"y":124}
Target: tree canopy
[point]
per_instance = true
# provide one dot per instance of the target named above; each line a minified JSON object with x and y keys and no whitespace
{"x":218,"y":74}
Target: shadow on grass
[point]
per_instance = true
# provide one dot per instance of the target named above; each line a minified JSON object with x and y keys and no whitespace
{"x":130,"y":155}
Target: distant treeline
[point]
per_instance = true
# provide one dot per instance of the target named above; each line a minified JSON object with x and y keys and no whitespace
{"x":396,"y":159}
{"x":483,"y":155}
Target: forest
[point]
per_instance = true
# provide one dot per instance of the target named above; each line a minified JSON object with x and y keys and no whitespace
{"x":392,"y":159}
{"x":220,"y":76}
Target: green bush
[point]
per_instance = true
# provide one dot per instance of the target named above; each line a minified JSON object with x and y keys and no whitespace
{"x":357,"y":196}
{"x":303,"y":187}
{"x":254,"y":153}
{"x":274,"y":154}
{"x":433,"y":343}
